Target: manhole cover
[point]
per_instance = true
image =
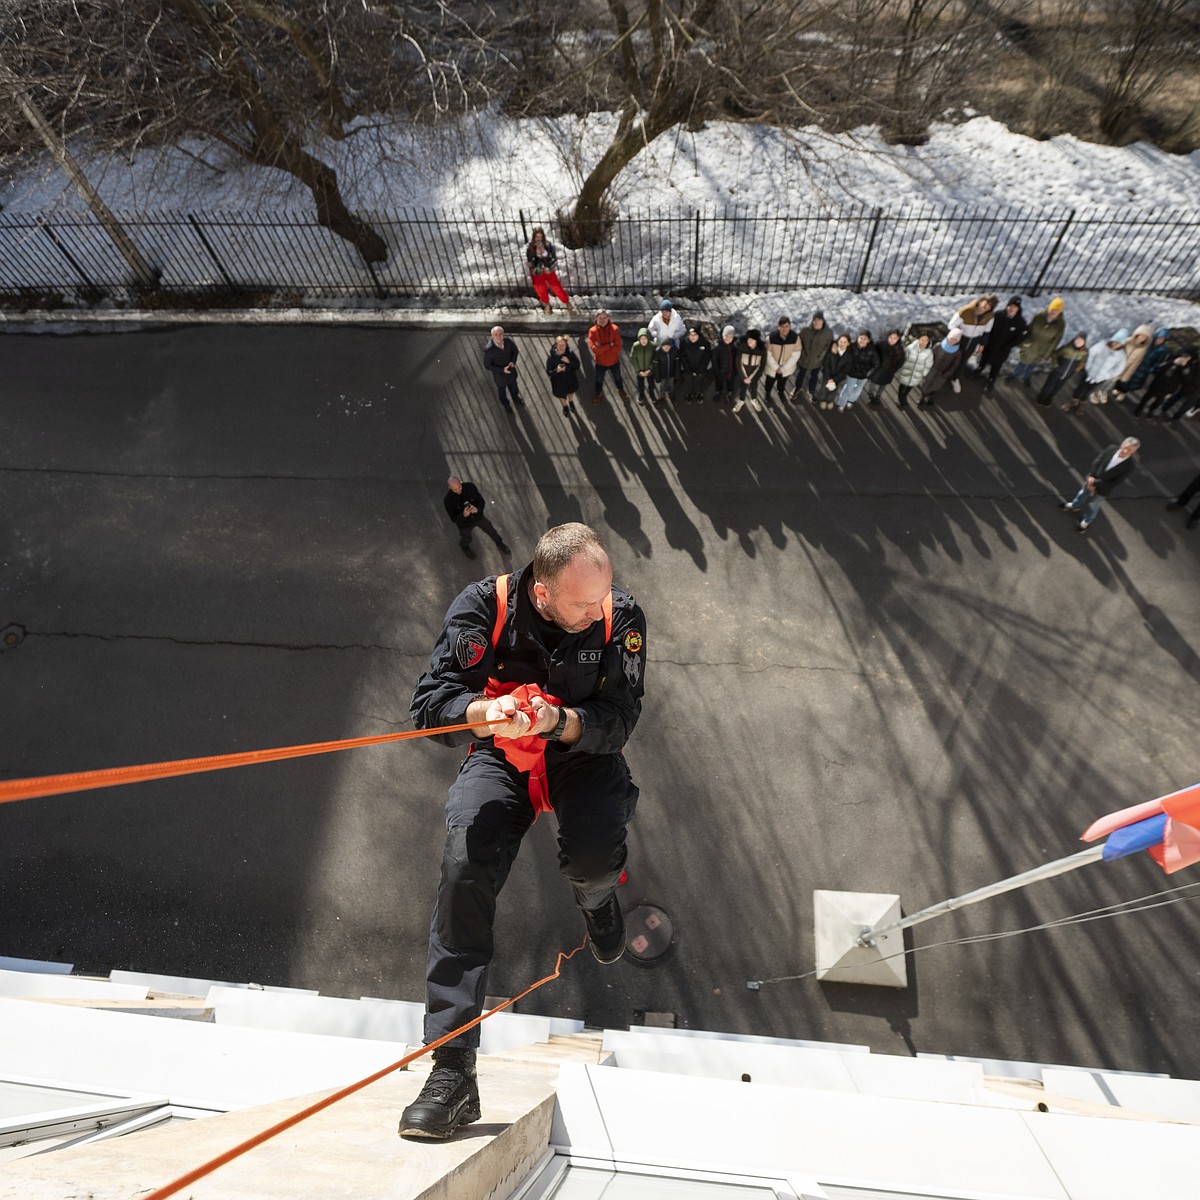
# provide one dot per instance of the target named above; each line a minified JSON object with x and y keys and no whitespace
{"x":648,"y":933}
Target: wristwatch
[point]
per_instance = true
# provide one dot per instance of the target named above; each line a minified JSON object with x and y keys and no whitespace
{"x":557,"y":731}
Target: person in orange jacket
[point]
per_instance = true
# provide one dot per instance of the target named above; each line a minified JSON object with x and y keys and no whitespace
{"x":604,"y":341}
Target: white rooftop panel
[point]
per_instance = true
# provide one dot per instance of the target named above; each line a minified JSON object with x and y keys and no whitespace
{"x":400,"y":1021}
{"x":65,"y":987}
{"x":194,"y":1063}
{"x":1174,"y":1099}
{"x":36,"y":965}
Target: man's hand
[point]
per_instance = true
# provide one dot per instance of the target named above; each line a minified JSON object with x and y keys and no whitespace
{"x":546,"y":715}
{"x":518,"y":724}
{"x":469,"y":510}
{"x":1091,"y":483}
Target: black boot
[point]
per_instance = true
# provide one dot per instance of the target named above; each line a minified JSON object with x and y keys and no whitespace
{"x":450,"y":1097}
{"x":606,"y":931}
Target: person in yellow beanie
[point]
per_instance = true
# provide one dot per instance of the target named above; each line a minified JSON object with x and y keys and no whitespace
{"x":1045,"y":333}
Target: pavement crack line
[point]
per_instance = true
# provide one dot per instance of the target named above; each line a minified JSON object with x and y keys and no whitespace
{"x":182,"y":477}
{"x":222,"y":642}
{"x":757,"y":670}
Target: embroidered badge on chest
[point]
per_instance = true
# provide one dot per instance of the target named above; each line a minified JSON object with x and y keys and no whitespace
{"x":469,"y":649}
{"x":591,"y":656}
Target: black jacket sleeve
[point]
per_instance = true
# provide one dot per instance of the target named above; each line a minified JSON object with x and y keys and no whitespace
{"x":461,"y":662}
{"x":611,"y":713}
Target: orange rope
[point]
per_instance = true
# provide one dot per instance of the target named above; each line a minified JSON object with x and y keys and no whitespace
{"x":265,"y":1135}
{"x":82,"y":781}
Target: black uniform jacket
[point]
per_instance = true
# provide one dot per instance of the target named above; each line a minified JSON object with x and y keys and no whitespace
{"x":455,"y":502}
{"x":602,"y":683}
{"x":496,"y":358}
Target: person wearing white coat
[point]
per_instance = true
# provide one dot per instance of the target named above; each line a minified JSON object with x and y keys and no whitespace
{"x":918,"y":362}
{"x":975,"y":320}
{"x":1106,"y":360}
{"x":667,"y":324}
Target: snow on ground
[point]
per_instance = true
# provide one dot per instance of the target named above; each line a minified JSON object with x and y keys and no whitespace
{"x":489,"y":164}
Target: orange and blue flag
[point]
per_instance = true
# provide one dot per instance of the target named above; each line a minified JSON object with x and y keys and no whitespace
{"x":1168,"y":827}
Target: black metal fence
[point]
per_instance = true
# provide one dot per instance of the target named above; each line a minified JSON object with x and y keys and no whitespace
{"x":215,"y":257}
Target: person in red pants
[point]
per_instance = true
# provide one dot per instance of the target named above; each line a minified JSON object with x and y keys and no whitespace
{"x":542,"y":257}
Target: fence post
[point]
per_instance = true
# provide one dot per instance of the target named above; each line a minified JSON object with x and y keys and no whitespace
{"x":696,"y":254}
{"x":380,"y":291}
{"x":211,"y":252}
{"x":524,"y":228}
{"x":862,"y":272}
{"x":1062,"y":233}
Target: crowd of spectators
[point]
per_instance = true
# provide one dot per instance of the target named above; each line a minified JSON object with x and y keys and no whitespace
{"x":676,"y":361}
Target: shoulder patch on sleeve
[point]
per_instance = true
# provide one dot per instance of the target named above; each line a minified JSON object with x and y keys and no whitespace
{"x":469,"y":648}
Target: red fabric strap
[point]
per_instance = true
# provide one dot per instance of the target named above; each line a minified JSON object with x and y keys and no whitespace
{"x":526,"y":753}
{"x":529,"y":753}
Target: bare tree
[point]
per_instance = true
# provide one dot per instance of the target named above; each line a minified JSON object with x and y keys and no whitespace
{"x":1149,"y":41}
{"x":779,"y":62}
{"x":269,"y":133}
{"x":665,"y":63}
{"x":269,"y":79}
{"x":143,"y":273}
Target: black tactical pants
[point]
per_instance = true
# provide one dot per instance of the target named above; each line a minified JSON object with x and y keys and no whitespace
{"x":487,"y":815}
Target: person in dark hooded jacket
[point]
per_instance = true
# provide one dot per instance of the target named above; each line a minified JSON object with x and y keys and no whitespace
{"x":1008,"y":330}
{"x":1067,"y":363}
{"x":1167,"y":385}
{"x":562,"y":365}
{"x":863,"y":361}
{"x":947,"y":362}
{"x":666,"y":370}
{"x":833,"y":371}
{"x":725,"y":366}
{"x":891,"y":359}
{"x":816,"y":340}
{"x":695,"y":364}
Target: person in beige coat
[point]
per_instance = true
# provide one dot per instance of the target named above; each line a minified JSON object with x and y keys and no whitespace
{"x":1135,"y":350}
{"x":783,"y":357}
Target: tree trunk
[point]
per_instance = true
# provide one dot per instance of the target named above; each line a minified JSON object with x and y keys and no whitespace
{"x":142,"y":271}
{"x":274,"y":145}
{"x":592,"y":215}
{"x":321,"y":179}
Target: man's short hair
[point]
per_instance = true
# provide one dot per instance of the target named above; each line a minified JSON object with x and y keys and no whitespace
{"x":452,"y":481}
{"x":496,"y":329}
{"x":1132,"y":441}
{"x":557,"y":548}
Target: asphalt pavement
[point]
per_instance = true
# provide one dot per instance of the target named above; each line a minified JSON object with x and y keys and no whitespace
{"x":879,"y":659}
